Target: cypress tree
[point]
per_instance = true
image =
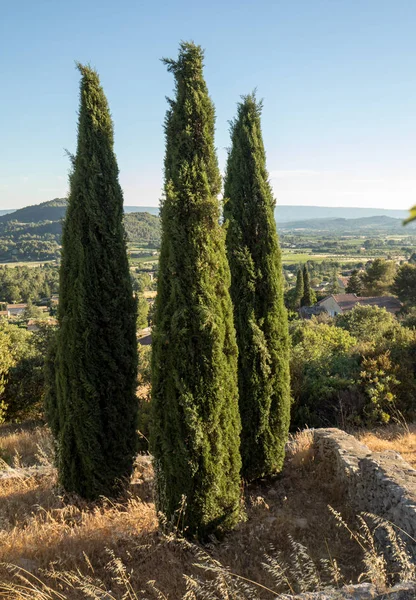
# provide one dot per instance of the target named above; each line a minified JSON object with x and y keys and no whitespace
{"x":195,"y":422}
{"x":299,"y":289}
{"x":355,"y":285}
{"x":309,"y":297}
{"x":91,"y":401}
{"x":257,"y":293}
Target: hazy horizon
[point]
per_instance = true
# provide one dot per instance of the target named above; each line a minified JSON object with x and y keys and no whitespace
{"x":309,"y":212}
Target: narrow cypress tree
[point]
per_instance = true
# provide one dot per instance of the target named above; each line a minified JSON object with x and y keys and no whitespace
{"x":299,"y":291}
{"x":257,"y":292}
{"x":195,"y":424}
{"x":309,"y":297}
{"x":91,"y":401}
{"x":355,"y":285}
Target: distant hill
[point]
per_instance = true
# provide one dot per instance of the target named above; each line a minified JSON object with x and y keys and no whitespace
{"x":285,"y":214}
{"x":152,"y":210}
{"x":379,"y":223}
{"x":53,"y":210}
{"x":142,"y":227}
{"x":34,"y":232}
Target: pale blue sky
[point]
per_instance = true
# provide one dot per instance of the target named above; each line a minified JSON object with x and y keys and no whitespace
{"x":337,"y":77}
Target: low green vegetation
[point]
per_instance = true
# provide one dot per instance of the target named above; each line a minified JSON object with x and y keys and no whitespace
{"x":356,"y":369}
{"x":22,"y":378}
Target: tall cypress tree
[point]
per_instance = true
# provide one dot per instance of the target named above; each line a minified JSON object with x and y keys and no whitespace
{"x":91,"y":401}
{"x":309,"y":296}
{"x":195,"y":424}
{"x":257,"y":293}
{"x":299,"y":291}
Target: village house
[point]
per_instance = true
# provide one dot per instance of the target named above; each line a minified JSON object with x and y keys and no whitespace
{"x":339,"y":303}
{"x":15,"y":310}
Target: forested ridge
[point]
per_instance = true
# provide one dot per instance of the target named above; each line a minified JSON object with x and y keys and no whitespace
{"x":34,"y":233}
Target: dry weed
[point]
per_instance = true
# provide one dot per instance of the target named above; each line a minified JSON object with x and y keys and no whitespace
{"x":26,"y":447}
{"x":300,"y":448}
{"x":394,"y":437}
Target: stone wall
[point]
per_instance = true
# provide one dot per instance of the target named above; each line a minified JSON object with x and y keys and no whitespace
{"x":381,"y":483}
{"x":364,"y":591}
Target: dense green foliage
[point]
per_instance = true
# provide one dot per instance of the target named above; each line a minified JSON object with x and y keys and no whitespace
{"x":355,"y":284}
{"x":91,"y":401}
{"x":195,"y":422}
{"x":142,"y":312}
{"x":379,"y":277}
{"x":24,"y":284}
{"x":257,"y":293}
{"x":404,"y":285}
{"x":142,"y":228}
{"x":22,"y":370}
{"x":309,"y":296}
{"x":299,"y":289}
{"x":356,"y":369}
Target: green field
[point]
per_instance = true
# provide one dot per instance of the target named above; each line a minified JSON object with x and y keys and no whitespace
{"x":28,"y":263}
{"x":293,"y":258}
{"x":143,"y":259}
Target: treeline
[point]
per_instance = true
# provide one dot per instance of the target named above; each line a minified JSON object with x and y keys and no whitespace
{"x":142,"y":228}
{"x":25,"y":284}
{"x":376,"y":278}
{"x":23,"y":246}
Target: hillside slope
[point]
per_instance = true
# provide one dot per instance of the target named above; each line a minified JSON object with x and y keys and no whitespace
{"x":363,"y":224}
{"x":34,"y":233}
{"x":52,"y":210}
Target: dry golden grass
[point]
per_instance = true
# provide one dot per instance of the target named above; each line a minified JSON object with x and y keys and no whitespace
{"x":25,"y":445}
{"x":394,"y":437}
{"x":72,"y":546}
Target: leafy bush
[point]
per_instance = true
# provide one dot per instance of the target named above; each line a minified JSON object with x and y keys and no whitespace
{"x":322,"y":365}
{"x":379,"y":382}
{"x":359,"y":368}
{"x":367,"y":323}
{"x":21,"y":394}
